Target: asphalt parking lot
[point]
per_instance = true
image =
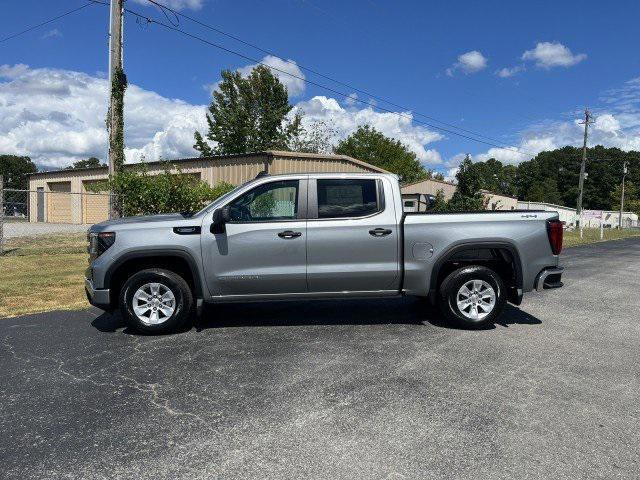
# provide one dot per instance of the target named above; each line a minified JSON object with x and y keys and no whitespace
{"x":354,"y":389}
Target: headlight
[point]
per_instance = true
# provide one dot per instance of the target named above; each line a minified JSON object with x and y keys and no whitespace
{"x":99,"y":243}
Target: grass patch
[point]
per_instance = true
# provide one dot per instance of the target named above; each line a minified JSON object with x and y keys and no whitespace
{"x":44,"y":273}
{"x":592,"y":235}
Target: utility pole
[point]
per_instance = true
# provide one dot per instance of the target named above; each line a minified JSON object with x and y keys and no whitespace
{"x":587,"y":121}
{"x":624,"y":174}
{"x":115,"y":120}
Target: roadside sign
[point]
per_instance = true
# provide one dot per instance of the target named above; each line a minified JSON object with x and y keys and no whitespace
{"x":592,"y":214}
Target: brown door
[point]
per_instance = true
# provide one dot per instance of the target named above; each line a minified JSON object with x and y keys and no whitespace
{"x":59,"y":202}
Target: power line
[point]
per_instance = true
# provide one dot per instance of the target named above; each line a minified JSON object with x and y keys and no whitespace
{"x":45,"y":22}
{"x":176,"y":13}
{"x":310,"y":82}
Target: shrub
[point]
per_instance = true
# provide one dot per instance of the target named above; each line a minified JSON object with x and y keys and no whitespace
{"x":141,"y":193}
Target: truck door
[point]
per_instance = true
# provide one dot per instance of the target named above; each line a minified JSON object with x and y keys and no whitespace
{"x":352,"y":236}
{"x":263,"y":248}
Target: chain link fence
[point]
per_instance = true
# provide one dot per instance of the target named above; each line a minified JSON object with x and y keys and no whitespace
{"x":33,"y":214}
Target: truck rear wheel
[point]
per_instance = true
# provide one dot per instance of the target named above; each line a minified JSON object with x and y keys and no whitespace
{"x":156,"y":301}
{"x":472,"y":296}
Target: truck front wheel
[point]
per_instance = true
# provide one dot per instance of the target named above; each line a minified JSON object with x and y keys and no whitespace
{"x":156,"y":301}
{"x":472,"y":296}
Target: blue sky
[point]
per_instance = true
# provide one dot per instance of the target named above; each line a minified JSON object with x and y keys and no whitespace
{"x":441,"y":59}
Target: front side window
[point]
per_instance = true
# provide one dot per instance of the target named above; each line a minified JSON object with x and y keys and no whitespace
{"x":347,"y":198}
{"x":267,"y":203}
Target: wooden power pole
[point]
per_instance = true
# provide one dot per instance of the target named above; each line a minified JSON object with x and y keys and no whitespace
{"x":587,"y":122}
{"x":115,"y":113}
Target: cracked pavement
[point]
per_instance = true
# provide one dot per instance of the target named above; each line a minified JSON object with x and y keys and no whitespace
{"x":350,"y":389}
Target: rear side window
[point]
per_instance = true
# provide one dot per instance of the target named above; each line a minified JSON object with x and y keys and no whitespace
{"x":347,"y":198}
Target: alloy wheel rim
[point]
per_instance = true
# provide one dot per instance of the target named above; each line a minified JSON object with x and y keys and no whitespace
{"x":154,"y":303}
{"x":476,"y":299}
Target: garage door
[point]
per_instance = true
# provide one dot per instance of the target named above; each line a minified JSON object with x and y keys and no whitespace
{"x":59,"y":202}
{"x":95,"y":208}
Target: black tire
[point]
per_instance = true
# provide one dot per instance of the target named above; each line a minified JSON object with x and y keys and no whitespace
{"x":451,"y":286}
{"x":182,"y":306}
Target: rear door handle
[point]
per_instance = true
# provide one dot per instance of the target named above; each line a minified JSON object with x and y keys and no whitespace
{"x":379,"y":232}
{"x":289,"y":234}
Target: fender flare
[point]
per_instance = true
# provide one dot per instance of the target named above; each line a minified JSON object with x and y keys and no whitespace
{"x":158,"y":252}
{"x":450,"y":252}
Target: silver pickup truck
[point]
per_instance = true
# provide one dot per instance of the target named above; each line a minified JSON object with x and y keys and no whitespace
{"x":311,"y":236}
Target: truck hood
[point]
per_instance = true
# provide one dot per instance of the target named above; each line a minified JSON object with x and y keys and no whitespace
{"x":141,"y":220}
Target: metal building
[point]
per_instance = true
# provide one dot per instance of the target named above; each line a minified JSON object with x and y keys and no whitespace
{"x":64,"y":196}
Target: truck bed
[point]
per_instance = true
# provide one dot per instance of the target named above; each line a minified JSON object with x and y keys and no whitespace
{"x":430,"y":237}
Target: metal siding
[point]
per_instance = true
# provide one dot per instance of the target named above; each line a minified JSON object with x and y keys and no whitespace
{"x":213,"y":170}
{"x":430,"y":187}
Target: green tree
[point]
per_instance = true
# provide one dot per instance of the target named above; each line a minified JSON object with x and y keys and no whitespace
{"x":467,"y":196}
{"x":248,"y":114}
{"x":140,"y":193}
{"x":316,"y":138}
{"x":439,"y":204}
{"x":202,"y":146}
{"x":90,"y":162}
{"x":15,"y":169}
{"x":545,"y":191}
{"x":631,"y":198}
{"x":370,"y":145}
{"x":604,"y":169}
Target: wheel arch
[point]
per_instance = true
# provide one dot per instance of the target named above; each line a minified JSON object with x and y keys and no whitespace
{"x":176,"y":260}
{"x":513,"y":258}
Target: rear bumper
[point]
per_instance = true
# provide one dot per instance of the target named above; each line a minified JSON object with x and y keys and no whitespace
{"x":100,"y":298}
{"x":549,"y":278}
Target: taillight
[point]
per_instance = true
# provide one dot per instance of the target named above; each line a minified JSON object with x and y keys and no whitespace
{"x":555,"y":232}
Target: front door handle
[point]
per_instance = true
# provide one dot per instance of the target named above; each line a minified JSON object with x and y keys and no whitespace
{"x":379,"y":232}
{"x":289,"y":234}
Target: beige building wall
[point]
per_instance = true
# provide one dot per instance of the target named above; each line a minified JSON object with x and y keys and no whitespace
{"x":430,"y":187}
{"x":233,"y":169}
{"x":495,"y":201}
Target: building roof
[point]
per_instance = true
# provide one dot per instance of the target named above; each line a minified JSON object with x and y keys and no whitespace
{"x":428,"y":180}
{"x":266,"y":153}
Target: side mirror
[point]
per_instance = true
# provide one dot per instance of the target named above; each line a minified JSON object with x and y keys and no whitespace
{"x":220,"y":217}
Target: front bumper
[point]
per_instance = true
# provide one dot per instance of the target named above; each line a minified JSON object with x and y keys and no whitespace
{"x":550,"y":277}
{"x":100,"y":298}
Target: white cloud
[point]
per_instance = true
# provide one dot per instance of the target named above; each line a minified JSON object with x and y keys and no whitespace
{"x":607,"y":123}
{"x":345,"y":121}
{"x":55,"y":33}
{"x":352,"y":99}
{"x":470,"y":62}
{"x":552,"y":54}
{"x":507,"y":72}
{"x":57,"y":117}
{"x":176,"y":4}
{"x":450,"y":174}
{"x":431,"y":157}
